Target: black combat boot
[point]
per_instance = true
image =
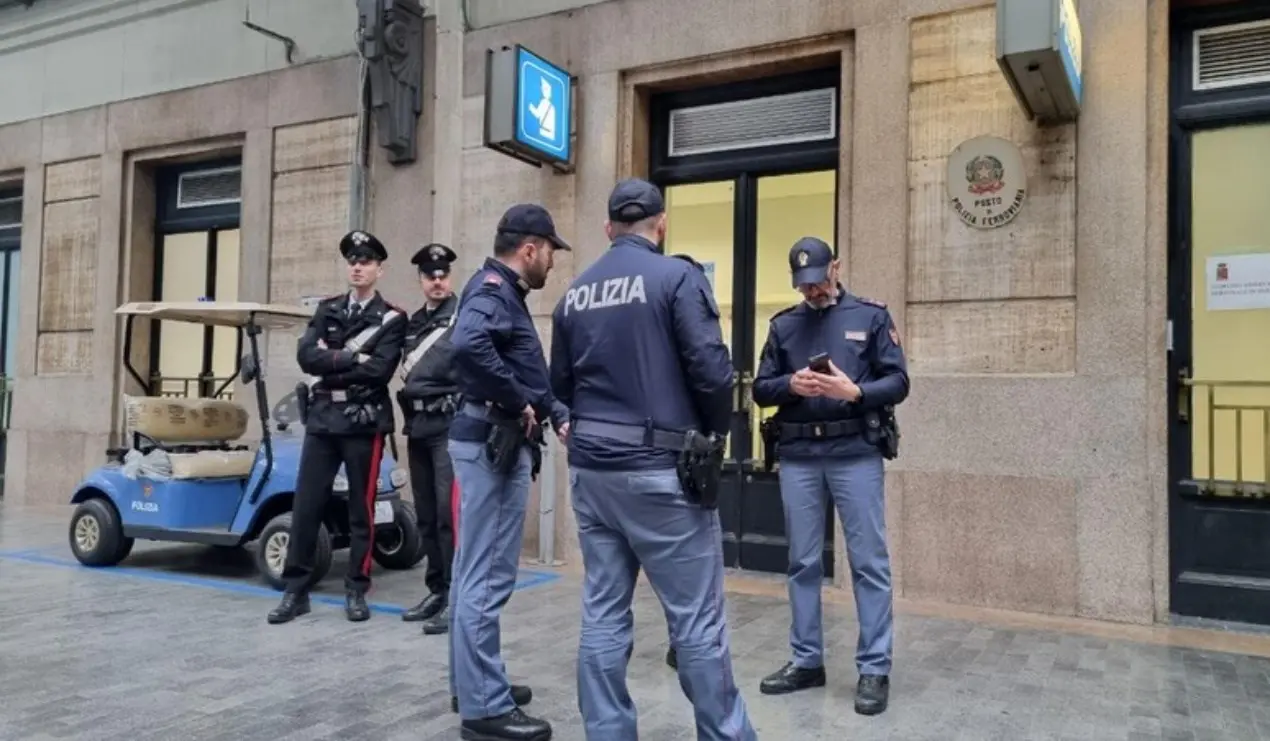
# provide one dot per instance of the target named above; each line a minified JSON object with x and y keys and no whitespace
{"x":292,"y":606}
{"x":425,"y":610}
{"x":872,"y":693}
{"x":438,"y":624}
{"x":792,"y":679}
{"x":355,"y":607}
{"x":521,"y":695}
{"x":513,"y":726}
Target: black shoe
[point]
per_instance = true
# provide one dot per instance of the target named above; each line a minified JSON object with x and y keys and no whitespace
{"x":291,"y":607}
{"x":672,"y":659}
{"x":438,"y":624}
{"x":425,"y":610}
{"x":872,"y":693}
{"x":792,"y":679}
{"x":521,"y":695}
{"x":513,"y":726}
{"x":355,"y":607}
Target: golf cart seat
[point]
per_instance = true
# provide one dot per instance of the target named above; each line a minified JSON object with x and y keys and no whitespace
{"x":195,"y":433}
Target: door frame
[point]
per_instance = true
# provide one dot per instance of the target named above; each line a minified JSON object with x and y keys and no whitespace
{"x":171,"y":220}
{"x":1192,"y":112}
{"x":744,"y":477}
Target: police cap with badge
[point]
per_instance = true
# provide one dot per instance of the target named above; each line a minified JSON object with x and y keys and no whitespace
{"x":360,"y":245}
{"x":634,"y":200}
{"x":434,"y":260}
{"x":532,"y":220}
{"x":809,"y":261}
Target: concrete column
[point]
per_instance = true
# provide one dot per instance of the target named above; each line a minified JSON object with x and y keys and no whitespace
{"x":447,"y":131}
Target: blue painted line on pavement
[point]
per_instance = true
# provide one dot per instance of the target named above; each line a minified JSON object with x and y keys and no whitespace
{"x":527,"y":580}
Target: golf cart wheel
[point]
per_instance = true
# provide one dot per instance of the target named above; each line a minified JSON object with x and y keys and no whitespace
{"x":272,"y":546}
{"x":96,"y":534}
{"x":413,"y":515}
{"x":397,"y":546}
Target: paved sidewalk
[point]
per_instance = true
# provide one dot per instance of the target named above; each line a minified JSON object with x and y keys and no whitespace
{"x":174,"y":645}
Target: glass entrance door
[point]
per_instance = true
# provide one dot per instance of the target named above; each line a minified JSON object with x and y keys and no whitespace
{"x":741,"y":230}
{"x":192,"y":360}
{"x":1221,"y":434}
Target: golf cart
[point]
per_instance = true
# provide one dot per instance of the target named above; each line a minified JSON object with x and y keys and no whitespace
{"x":182,"y":477}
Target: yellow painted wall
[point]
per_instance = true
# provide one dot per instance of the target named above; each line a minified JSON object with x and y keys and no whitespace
{"x":1230,"y":216}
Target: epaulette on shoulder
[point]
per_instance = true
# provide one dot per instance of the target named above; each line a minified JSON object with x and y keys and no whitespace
{"x":871,"y":302}
{"x":688,"y":259}
{"x":492,"y":279}
{"x":783,"y":312}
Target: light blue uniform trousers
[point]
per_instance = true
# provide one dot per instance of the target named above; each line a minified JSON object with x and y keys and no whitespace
{"x":491,"y":528}
{"x":631,"y":519}
{"x":856,"y":486}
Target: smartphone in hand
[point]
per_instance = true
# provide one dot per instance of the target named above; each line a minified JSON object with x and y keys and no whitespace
{"x":819,"y":363}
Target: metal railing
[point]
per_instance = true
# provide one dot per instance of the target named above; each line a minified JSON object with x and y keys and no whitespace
{"x":179,"y":387}
{"x":1239,"y":480}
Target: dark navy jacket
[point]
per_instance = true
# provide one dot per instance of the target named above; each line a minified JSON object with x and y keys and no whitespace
{"x":432,"y":377}
{"x":860,"y":338}
{"x":339,"y":371}
{"x":636,"y":340}
{"x":497,"y":354}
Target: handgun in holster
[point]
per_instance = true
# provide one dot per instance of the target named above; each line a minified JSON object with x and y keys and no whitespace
{"x":503,"y":441}
{"x":700,"y":468}
{"x":770,"y":430}
{"x":302,"y":402}
{"x":882,"y":430}
{"x":537,"y":441}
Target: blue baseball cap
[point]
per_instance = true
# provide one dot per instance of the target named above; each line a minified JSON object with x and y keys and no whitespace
{"x":809,"y":261}
{"x":532,"y":220}
{"x":634,"y":200}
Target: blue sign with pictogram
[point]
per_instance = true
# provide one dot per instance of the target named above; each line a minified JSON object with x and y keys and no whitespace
{"x":529,"y":107}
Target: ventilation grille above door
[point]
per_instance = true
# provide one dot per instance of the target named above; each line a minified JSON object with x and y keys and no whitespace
{"x":216,"y":187}
{"x":10,"y":213}
{"x":791,"y":118}
{"x":1230,"y":56}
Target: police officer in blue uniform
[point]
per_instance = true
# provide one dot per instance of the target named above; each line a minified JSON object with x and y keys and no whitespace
{"x":834,"y":367}
{"x":637,"y":354}
{"x":427,"y":401}
{"x":350,"y":350}
{"x":495,"y":443}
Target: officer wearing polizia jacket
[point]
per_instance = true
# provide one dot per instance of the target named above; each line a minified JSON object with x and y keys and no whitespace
{"x":427,"y":401}
{"x":834,"y":366}
{"x":495,"y":443}
{"x":637,"y":354}
{"x":350,"y":350}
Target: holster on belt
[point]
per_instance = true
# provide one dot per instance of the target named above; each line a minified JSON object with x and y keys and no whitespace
{"x":882,"y":430}
{"x":537,"y":441}
{"x":700,"y":468}
{"x":770,"y":430}
{"x":302,"y":401}
{"x":502,"y":443}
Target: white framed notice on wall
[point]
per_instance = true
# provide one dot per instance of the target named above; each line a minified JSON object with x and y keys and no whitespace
{"x":1238,"y":282}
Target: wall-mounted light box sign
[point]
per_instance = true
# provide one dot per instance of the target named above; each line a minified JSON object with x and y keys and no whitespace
{"x":1039,"y":52}
{"x":528,"y":108}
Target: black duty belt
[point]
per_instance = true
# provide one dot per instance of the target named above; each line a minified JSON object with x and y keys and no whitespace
{"x":820,"y":430}
{"x":629,"y":434}
{"x":487,"y":412}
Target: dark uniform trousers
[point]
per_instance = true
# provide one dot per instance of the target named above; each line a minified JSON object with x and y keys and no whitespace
{"x":320,"y":458}
{"x":432,"y":479}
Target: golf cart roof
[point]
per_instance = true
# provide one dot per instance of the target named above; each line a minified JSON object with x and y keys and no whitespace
{"x":219,"y":313}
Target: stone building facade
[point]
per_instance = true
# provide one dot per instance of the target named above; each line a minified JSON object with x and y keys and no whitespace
{"x":1035,"y":467}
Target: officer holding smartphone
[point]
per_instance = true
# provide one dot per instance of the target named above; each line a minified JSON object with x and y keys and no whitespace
{"x":834,"y":366}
